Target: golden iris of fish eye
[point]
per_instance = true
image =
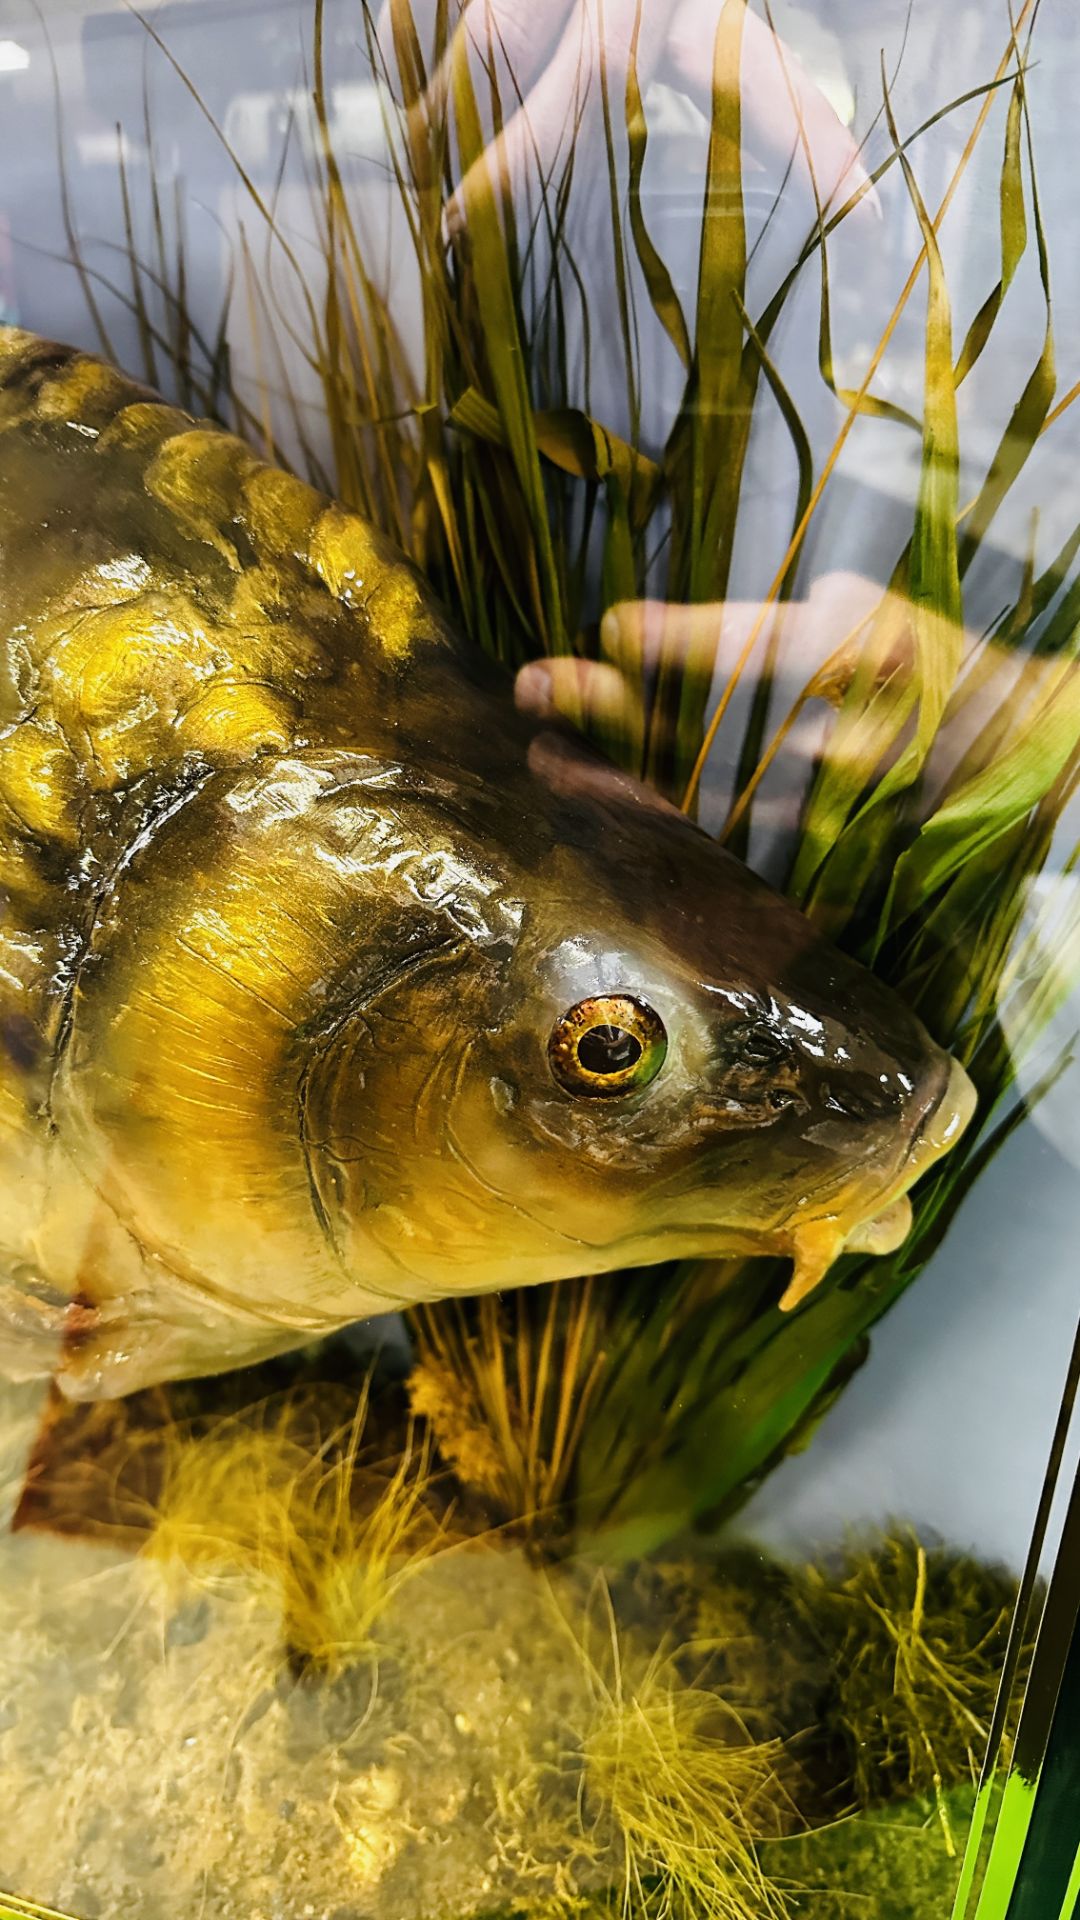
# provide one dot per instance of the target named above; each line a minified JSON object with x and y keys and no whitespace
{"x":605,"y":1046}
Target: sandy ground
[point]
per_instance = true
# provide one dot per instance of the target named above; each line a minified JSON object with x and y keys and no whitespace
{"x":159,"y":1758}
{"x":164,"y":1757}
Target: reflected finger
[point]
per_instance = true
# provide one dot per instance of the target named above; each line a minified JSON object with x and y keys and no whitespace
{"x":595,"y":43}
{"x":521,"y":37}
{"x":506,"y":39}
{"x":637,"y":635}
{"x":777,"y":93}
{"x":592,"y":695}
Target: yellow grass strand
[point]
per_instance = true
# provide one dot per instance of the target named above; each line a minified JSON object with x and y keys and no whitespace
{"x":1062,"y":406}
{"x":814,"y":689}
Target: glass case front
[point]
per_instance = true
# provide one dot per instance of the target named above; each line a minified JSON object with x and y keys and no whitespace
{"x":539,"y":948}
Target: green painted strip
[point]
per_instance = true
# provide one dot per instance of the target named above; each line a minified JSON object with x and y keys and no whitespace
{"x":12,"y":1908}
{"x":1052,"y":1659}
{"x":1070,"y":1907}
{"x":989,"y":1790}
{"x":1010,"y":1835}
{"x":1050,"y":1851}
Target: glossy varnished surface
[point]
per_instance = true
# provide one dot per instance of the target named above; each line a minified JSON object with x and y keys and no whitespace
{"x":293,"y":902}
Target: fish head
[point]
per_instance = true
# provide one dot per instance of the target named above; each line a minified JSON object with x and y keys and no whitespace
{"x":629,"y":1048}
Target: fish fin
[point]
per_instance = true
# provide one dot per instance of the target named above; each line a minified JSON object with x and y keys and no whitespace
{"x":128,"y":1344}
{"x":45,"y":1336}
{"x":33,"y":1319}
{"x":131,"y":1321}
{"x":98,"y":1346}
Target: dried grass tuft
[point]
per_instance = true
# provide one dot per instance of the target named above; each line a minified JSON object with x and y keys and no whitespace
{"x":689,"y":1789}
{"x":325,"y":1536}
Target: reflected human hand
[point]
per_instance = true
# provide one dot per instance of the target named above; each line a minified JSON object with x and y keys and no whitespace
{"x":552,"y":62}
{"x":812,"y":657}
{"x":810,"y":650}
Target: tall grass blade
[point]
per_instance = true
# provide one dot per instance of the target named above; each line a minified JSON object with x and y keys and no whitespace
{"x":738,"y":831}
{"x":661,"y":288}
{"x":500,"y":325}
{"x":707,"y":448}
{"x":1033,"y":406}
{"x":1014,"y":236}
{"x":995,"y":800}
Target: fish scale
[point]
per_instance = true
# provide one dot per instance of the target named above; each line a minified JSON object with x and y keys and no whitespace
{"x":119,"y":672}
{"x":298,"y":911}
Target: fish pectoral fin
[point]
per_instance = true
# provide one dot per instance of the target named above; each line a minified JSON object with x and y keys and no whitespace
{"x":814,"y":1246}
{"x":133,"y":1343}
{"x":33,"y":1322}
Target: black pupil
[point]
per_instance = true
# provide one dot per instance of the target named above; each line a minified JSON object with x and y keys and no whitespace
{"x":608,"y":1050}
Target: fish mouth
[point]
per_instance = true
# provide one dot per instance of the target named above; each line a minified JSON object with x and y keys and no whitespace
{"x":817,"y":1243}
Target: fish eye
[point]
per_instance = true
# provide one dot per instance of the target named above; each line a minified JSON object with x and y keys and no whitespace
{"x":608,"y":1045}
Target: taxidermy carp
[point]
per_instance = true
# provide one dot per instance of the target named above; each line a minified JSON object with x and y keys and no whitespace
{"x":326,"y":986}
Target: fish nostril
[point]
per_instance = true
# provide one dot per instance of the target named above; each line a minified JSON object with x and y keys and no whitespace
{"x":749,"y":1045}
{"x":779,"y":1099}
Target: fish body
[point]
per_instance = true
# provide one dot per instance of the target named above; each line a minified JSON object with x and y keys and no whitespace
{"x":329,"y":983}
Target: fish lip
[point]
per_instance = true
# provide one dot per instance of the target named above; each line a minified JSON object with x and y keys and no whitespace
{"x":882,"y":1231}
{"x":937,"y":1132}
{"x":961,"y":1098}
{"x":816,"y":1241}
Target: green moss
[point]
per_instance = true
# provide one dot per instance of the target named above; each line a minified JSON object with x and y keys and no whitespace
{"x":892,"y":1863}
{"x":917,"y":1638}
